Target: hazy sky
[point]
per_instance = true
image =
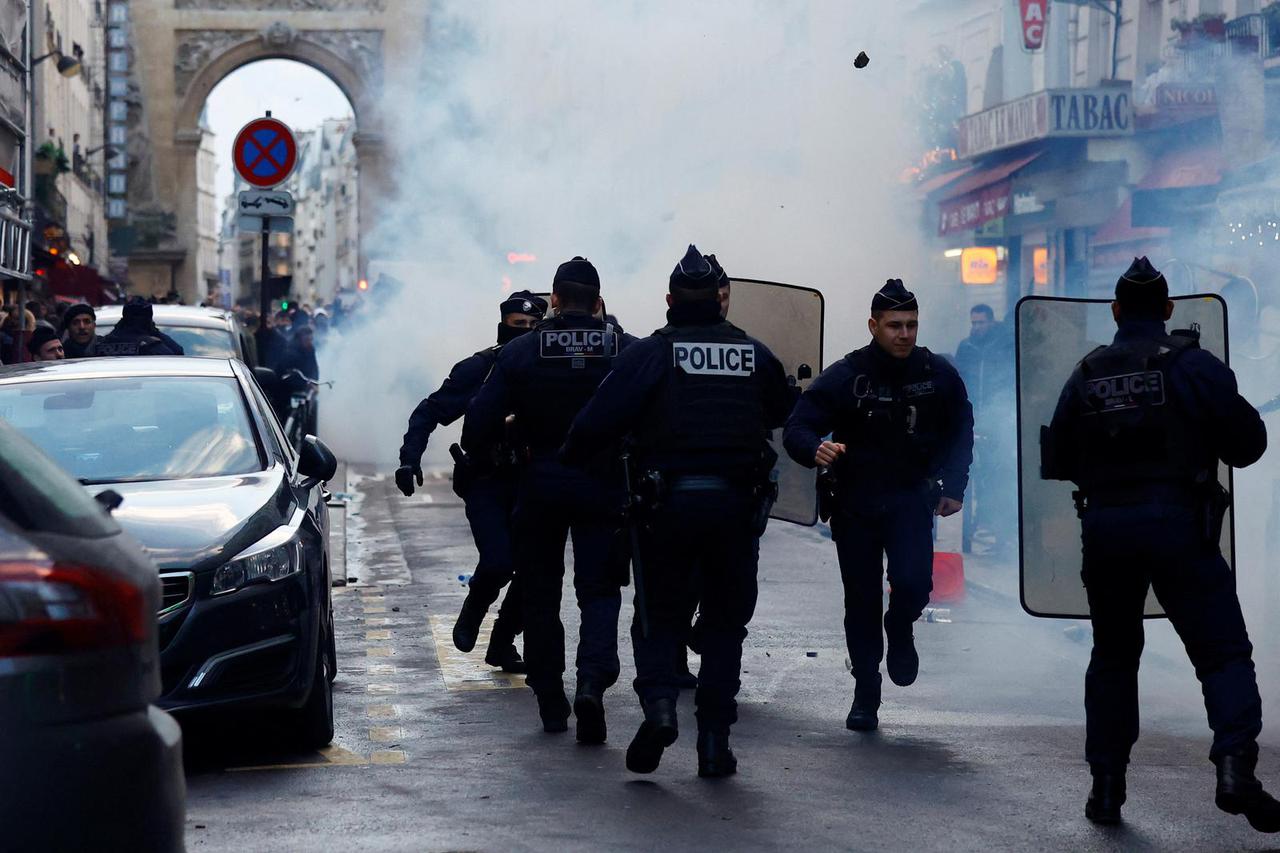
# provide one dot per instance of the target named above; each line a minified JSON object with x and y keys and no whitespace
{"x":296,"y":94}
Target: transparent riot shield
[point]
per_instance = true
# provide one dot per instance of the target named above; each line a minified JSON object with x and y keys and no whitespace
{"x":788,"y":320}
{"x":1053,"y":336}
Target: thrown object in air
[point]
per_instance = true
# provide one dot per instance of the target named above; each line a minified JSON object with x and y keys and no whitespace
{"x":862,"y":60}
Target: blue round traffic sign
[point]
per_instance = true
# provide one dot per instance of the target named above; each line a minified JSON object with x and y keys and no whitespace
{"x":265,"y":152}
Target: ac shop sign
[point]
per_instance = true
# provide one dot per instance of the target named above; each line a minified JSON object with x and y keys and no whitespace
{"x":1053,"y":113}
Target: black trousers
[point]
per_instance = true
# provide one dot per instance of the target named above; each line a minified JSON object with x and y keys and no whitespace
{"x":1126,"y":551}
{"x":698,"y":546}
{"x":554,"y":502}
{"x":490,"y":503}
{"x":866,"y":528}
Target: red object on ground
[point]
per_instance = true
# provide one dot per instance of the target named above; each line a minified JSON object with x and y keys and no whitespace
{"x":948,"y":577}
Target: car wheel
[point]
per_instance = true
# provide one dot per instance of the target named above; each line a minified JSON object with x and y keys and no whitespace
{"x":314,"y":726}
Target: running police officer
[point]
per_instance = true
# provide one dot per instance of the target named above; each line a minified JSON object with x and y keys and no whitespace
{"x":697,"y":398}
{"x":544,"y":379}
{"x":486,"y":483}
{"x":899,"y":453}
{"x":1140,"y":428}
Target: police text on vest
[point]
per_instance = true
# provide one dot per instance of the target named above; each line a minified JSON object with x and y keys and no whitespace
{"x":713,"y":359}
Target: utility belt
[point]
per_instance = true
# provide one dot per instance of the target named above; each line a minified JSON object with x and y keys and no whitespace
{"x":1209,"y":500}
{"x":500,"y":461}
{"x":834,"y":492}
{"x":652,"y":488}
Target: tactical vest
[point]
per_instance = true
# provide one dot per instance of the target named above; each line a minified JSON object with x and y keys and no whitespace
{"x":574,"y":353}
{"x":711,"y":400}
{"x":897,"y":420}
{"x":1131,"y":430}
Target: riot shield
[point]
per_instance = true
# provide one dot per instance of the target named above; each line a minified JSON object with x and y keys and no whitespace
{"x":788,"y":320}
{"x":1053,"y":335}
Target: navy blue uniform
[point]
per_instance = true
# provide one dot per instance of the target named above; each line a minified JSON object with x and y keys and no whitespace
{"x":489,"y":496}
{"x":544,"y":379}
{"x":1145,"y":526}
{"x":696,"y":398}
{"x":132,"y":340}
{"x":908,"y":427}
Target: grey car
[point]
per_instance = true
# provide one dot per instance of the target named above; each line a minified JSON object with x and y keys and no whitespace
{"x":87,"y":761}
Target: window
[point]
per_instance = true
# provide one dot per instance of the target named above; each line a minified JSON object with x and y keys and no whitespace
{"x":117,"y":37}
{"x":118,"y":110}
{"x":115,"y":208}
{"x":116,"y":183}
{"x":116,"y":134}
{"x":137,"y":429}
{"x":119,"y":13}
{"x":118,"y":61}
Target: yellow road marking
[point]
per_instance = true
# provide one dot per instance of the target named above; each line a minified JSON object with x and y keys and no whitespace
{"x":382,"y":689}
{"x":386,"y":734}
{"x":379,"y":651}
{"x":377,"y":635}
{"x":388,"y":756}
{"x":381,"y":669}
{"x":463,"y":672}
{"x":332,"y":755}
{"x":377,"y":711}
{"x":379,"y":607}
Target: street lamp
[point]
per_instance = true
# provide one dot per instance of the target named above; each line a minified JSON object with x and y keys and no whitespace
{"x":68,"y":66}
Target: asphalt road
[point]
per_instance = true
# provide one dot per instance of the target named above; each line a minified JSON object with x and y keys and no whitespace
{"x":435,"y":752}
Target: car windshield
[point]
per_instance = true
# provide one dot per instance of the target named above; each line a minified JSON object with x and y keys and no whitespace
{"x":208,"y":343}
{"x":132,"y":429}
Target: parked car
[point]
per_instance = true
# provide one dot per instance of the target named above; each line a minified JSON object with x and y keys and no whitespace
{"x":232,"y":515}
{"x":87,"y":761}
{"x":205,"y":332}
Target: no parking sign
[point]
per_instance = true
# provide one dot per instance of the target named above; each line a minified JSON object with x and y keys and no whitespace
{"x":265,"y":152}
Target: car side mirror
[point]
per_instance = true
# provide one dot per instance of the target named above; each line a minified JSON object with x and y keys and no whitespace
{"x":267,"y":378}
{"x":110,"y":500}
{"x":316,"y":461}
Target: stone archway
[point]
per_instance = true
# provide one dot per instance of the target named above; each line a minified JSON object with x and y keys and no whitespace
{"x":183,"y":48}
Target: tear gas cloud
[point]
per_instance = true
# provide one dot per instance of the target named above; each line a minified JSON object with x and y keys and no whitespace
{"x":623,"y":132}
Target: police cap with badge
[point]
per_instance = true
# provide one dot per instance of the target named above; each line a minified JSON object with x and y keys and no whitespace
{"x":710,"y":355}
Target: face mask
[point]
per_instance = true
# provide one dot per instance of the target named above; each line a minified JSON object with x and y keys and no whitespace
{"x":507,"y":334}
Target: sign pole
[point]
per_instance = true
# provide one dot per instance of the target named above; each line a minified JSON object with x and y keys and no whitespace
{"x":264,"y":294}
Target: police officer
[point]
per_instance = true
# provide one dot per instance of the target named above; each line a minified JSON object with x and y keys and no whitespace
{"x":485,"y":482}
{"x":1145,"y":457}
{"x":136,"y":333}
{"x":901,"y":444}
{"x":697,"y":398}
{"x":543,"y":379}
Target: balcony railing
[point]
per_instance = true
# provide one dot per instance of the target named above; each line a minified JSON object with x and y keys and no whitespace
{"x":15,"y":246}
{"x":1263,"y":26}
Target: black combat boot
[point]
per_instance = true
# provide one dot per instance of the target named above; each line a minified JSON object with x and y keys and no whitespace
{"x":1240,"y":792}
{"x":902,"y":662}
{"x":588,"y":707}
{"x":715,"y":758}
{"x":658,"y":731}
{"x":553,"y":707}
{"x":866,"y":702}
{"x":1106,"y":798}
{"x":467,"y":628}
{"x":502,"y":650}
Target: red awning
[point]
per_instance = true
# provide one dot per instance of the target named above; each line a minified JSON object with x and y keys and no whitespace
{"x":980,"y":178}
{"x":937,"y":182}
{"x":1198,"y":166}
{"x":1120,"y":229}
{"x":78,"y":282}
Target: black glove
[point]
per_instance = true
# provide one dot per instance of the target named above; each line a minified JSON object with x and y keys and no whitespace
{"x":405,"y":475}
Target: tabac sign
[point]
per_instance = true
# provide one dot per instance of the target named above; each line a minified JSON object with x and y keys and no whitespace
{"x":1105,"y":111}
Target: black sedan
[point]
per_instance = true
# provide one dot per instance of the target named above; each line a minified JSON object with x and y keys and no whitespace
{"x":232,"y":515}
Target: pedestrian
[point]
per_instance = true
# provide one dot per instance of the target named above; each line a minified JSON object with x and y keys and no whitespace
{"x":80,"y":331}
{"x":486,"y":482}
{"x":544,"y":379}
{"x":695,"y":399}
{"x":1145,"y":458}
{"x":45,"y":345}
{"x":901,"y":443}
{"x":136,"y":333}
{"x":18,"y":326}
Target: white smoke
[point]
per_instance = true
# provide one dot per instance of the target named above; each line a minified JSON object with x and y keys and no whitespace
{"x":623,"y":132}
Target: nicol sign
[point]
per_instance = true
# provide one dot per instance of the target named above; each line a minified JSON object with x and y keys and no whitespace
{"x":1035,"y":16}
{"x":1104,"y":111}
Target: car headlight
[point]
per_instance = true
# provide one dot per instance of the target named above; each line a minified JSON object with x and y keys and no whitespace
{"x":269,"y":564}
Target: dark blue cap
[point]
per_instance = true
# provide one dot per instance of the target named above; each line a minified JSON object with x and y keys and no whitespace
{"x":524,"y":302}
{"x":694,"y":272}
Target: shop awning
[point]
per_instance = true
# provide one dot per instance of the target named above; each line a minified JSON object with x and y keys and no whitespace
{"x":1178,"y":187}
{"x":931,"y":185}
{"x":981,"y":178}
{"x":81,"y":283}
{"x":1120,"y":229}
